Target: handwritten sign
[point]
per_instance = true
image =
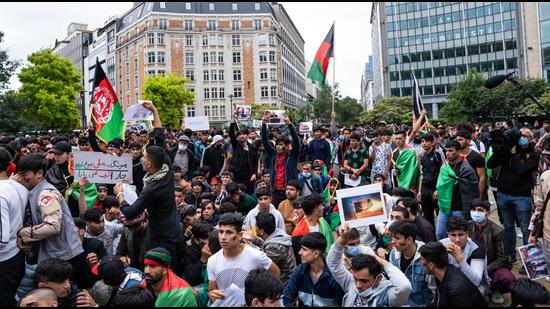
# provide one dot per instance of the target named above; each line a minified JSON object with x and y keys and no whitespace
{"x":199,"y":123}
{"x":138,"y":112}
{"x":102,"y":168}
{"x":306,"y":127}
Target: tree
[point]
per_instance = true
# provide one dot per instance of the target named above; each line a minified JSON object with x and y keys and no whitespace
{"x":11,"y":114}
{"x":391,"y":109}
{"x":347,"y":111}
{"x":169,"y":94}
{"x":322,"y":105}
{"x":51,"y":84}
{"x":7,"y":67}
{"x":258,"y":110}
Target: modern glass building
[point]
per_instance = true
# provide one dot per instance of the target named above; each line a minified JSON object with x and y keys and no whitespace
{"x":544,"y":24}
{"x":441,"y":41}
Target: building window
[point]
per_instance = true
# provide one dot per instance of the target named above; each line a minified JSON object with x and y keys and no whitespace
{"x":236,"y":40}
{"x":235,"y":25}
{"x":220,"y":57}
{"x":271,"y":39}
{"x":207,"y":111}
{"x":257,"y":24}
{"x":110,"y":36}
{"x":263,"y":39}
{"x":214,"y":94}
{"x":273,"y":74}
{"x":151,"y":72}
{"x":161,"y":72}
{"x":151,"y":57}
{"x":263,"y":74}
{"x":222,"y":108}
{"x":221,"y":75}
{"x":188,"y":25}
{"x":211,"y":25}
{"x":160,"y":38}
{"x":264,"y":92}
{"x":189,"y":58}
{"x":212,"y":57}
{"x":214,"y":75}
{"x":237,"y":92}
{"x":206,"y":94}
{"x":271,"y":56}
{"x":190,"y":74}
{"x":263,"y":56}
{"x":211,"y":6}
{"x":234,"y":6}
{"x":204,"y":40}
{"x":191,"y":111}
{"x":136,"y":82}
{"x":188,"y":40}
{"x":222,"y":96}
{"x":188,"y":7}
{"x":205,"y":57}
{"x":257,"y":6}
{"x":237,"y":75}
{"x":206,"y":75}
{"x":150,"y":39}
{"x":236,"y":57}
{"x":274,"y":91}
{"x":135,"y":64}
{"x":162,"y":24}
{"x":163,"y":5}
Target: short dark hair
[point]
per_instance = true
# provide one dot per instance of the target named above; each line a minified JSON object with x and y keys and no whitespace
{"x":201,"y":230}
{"x":134,"y":297}
{"x":428,"y":137}
{"x":262,"y":284}
{"x":227,"y":207}
{"x":232,"y":187}
{"x":197,"y":173}
{"x":407,"y":228}
{"x":464,"y":134}
{"x":79,"y":223}
{"x":136,"y":145}
{"x":402,"y":210}
{"x":453,"y":144}
{"x":314,"y":241}
{"x":354,"y":233}
{"x":176,"y":168}
{"x":33,"y":162}
{"x":362,"y":261}
{"x":234,"y":219}
{"x":109,"y":202}
{"x":400,"y":132}
{"x":310,"y":202}
{"x":409,"y":203}
{"x":528,"y":293}
{"x":295,"y":184}
{"x":266,"y":222}
{"x":402,"y":192}
{"x":92,"y":215}
{"x":457,"y":224}
{"x":262,"y":192}
{"x":53,"y":270}
{"x":196,"y":183}
{"x":155,"y":155}
{"x":479,"y":202}
{"x":356,"y":137}
{"x":436,"y":253}
{"x":5,"y":159}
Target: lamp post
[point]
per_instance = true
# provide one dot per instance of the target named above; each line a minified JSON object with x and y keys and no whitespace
{"x":230,"y":105}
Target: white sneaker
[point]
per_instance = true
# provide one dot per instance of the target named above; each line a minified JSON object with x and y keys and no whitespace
{"x":496,"y":298}
{"x":519,"y":234}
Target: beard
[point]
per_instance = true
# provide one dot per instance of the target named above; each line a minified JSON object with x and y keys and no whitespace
{"x":153,"y":279}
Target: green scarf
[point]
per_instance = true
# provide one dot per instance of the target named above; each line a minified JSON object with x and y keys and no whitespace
{"x":90,"y":193}
{"x":408,"y":168}
{"x":445,"y":182}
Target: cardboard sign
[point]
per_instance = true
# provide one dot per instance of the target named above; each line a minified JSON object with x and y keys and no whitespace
{"x":99,"y":167}
{"x":362,"y":206}
{"x":306,"y":127}
{"x":138,"y":112}
{"x":243,"y":111}
{"x":200,"y":123}
{"x":275,"y":116}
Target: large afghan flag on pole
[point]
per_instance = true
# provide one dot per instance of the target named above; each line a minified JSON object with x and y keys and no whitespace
{"x":319,"y":66}
{"x":106,"y":109}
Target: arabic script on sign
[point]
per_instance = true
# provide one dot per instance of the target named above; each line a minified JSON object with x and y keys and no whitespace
{"x":102,"y":168}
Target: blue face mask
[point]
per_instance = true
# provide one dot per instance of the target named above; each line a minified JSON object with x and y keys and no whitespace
{"x":368,"y":292}
{"x":353,"y":250}
{"x":341,"y":137}
{"x":306,"y":175}
{"x":477,"y":216}
{"x":523,"y":141}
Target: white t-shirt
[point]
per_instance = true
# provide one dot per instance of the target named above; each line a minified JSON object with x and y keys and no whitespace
{"x":227,"y":271}
{"x":473,"y":146}
{"x":13,"y":200}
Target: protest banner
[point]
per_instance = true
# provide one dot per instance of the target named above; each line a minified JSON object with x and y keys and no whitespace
{"x":275,"y":116}
{"x":199,"y":123}
{"x":362,"y":206}
{"x":102,"y":168}
{"x":306,"y":127}
{"x":138,"y":112}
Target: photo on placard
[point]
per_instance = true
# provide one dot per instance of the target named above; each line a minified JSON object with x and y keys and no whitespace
{"x":275,"y":116}
{"x":361,"y":206}
{"x":532,"y":257}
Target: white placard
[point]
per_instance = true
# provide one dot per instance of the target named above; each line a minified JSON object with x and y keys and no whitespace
{"x":199,"y":123}
{"x":532,"y":257}
{"x":256,"y":123}
{"x":130,"y":195}
{"x":243,"y":111}
{"x":275,"y":116}
{"x":99,"y":167}
{"x":138,"y":112}
{"x":306,"y":127}
{"x":362,"y":206}
{"x":350,"y":182}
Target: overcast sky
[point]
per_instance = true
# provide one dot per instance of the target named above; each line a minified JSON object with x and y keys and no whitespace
{"x":29,"y":27}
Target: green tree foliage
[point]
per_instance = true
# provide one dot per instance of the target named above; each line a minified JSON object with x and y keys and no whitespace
{"x":169,"y":94}
{"x":11,"y":114}
{"x":391,"y":110}
{"x":51,"y":84}
{"x":322,"y":105}
{"x":258,"y":110}
{"x":7,"y":66}
{"x":347,"y":111}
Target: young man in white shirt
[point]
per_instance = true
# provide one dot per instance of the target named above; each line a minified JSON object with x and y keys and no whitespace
{"x":264,"y":206}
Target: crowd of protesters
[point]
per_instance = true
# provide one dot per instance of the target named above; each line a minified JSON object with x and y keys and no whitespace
{"x":236,"y":217}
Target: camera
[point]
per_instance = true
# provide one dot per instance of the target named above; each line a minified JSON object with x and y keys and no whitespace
{"x":504,"y":139}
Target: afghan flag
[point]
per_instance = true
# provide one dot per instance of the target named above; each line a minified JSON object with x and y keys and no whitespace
{"x":175,"y":292}
{"x":417,"y":101}
{"x":107,"y":110}
{"x":408,"y":168}
{"x":319,"y":66}
{"x":446,"y":180}
{"x":324,"y":228}
{"x":335,"y":213}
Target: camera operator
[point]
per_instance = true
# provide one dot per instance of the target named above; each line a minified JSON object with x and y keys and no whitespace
{"x":518,"y":162}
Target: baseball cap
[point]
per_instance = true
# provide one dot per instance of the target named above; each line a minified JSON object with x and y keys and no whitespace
{"x":110,"y":268}
{"x":216,"y":139}
{"x":61,"y":147}
{"x":184,"y":137}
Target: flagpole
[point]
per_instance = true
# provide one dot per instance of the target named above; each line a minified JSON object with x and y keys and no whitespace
{"x":333,"y":66}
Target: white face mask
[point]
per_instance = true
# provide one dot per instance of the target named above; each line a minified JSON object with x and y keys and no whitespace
{"x":182,"y":147}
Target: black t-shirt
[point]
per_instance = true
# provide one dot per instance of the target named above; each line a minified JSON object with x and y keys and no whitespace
{"x":404,"y":263}
{"x":431,"y":164}
{"x":475,"y":160}
{"x":456,"y":200}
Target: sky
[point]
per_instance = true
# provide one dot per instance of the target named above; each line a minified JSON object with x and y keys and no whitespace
{"x":29,"y":27}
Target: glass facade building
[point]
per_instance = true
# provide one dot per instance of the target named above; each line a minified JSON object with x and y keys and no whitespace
{"x":544,"y":24}
{"x":441,"y":41}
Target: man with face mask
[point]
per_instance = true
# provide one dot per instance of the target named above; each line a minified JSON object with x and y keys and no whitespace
{"x":516,"y":180}
{"x":169,"y":290}
{"x":365,"y":284}
{"x":182,"y":156}
{"x":311,"y":183}
{"x":490,"y":236}
{"x":214,"y":157}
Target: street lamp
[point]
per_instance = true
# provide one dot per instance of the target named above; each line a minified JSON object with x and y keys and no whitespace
{"x":230,"y":105}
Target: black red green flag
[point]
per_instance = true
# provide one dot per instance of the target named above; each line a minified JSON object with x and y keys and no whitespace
{"x":319,"y":66}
